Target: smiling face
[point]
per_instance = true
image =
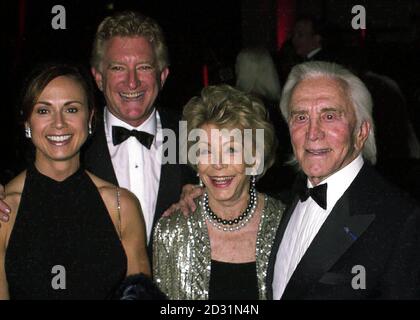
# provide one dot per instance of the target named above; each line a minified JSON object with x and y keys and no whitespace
{"x":225,"y":179}
{"x":59,"y":121}
{"x":129,"y":78}
{"x":322,"y":125}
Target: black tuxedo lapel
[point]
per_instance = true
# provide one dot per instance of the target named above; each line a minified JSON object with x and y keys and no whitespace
{"x":346,"y":222}
{"x":171,"y":175}
{"x":277,"y":240}
{"x":337,"y":234}
{"x":168,"y":177}
{"x":300,"y":179}
{"x":96,"y":154}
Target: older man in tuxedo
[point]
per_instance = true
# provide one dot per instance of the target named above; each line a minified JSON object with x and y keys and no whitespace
{"x":348,"y":234}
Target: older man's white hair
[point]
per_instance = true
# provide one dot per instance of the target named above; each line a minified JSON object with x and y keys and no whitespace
{"x":357,"y":91}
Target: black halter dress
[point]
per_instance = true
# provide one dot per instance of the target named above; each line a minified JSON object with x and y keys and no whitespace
{"x":63,"y":244}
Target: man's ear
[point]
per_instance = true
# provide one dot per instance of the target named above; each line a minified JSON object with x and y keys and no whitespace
{"x":163,"y":75}
{"x":97,"y":75}
{"x":362,"y":135}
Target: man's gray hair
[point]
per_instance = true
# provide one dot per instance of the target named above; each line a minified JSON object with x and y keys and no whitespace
{"x":358,"y":93}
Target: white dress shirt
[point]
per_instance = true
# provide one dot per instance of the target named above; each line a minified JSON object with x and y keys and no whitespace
{"x":136,"y":167}
{"x":313,"y":52}
{"x":305,"y":222}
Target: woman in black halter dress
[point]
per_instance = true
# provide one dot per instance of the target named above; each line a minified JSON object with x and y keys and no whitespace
{"x":72,"y":235}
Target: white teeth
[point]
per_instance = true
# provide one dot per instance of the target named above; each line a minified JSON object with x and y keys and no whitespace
{"x":222,"y":179}
{"x":131,"y":95}
{"x":59,"y":138}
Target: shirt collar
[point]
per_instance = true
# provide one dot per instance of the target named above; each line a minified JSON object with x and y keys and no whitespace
{"x":313,"y":52}
{"x":340,"y":181}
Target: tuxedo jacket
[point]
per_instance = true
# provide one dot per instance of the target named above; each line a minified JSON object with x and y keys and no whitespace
{"x":373,"y":230}
{"x":97,"y":160}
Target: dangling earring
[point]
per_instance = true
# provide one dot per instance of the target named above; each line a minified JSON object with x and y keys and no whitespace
{"x":200,"y":182}
{"x":28,"y":132}
{"x":90,"y":129}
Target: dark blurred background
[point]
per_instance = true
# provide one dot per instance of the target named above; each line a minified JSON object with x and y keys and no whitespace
{"x":208,"y":35}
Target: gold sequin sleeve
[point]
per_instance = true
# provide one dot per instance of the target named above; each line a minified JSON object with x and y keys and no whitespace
{"x":270,"y":220}
{"x":161,"y":255}
{"x":181,"y":256}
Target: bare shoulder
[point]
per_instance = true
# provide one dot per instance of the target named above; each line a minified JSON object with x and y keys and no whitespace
{"x":16,"y":184}
{"x":100,"y":183}
{"x":13,"y":191}
{"x":108,"y":191}
{"x":129,"y":202}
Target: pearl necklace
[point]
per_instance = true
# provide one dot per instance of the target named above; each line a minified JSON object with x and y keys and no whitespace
{"x":234,"y":224}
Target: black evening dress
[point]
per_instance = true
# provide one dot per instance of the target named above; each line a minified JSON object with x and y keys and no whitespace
{"x":63,"y":244}
{"x":233,"y":281}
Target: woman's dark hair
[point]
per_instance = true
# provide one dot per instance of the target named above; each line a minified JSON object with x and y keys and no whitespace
{"x":43,"y":75}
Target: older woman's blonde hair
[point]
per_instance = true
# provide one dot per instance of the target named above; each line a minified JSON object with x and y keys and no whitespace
{"x":130,"y":24}
{"x":226,"y":107}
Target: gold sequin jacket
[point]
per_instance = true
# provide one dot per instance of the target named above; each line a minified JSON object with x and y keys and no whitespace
{"x":181,"y":252}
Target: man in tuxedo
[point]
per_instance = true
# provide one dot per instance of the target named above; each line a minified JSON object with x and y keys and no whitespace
{"x":130,"y":66}
{"x":307,"y":39}
{"x":348,"y":234}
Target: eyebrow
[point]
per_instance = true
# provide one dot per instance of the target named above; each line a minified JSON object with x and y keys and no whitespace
{"x":110,"y":63}
{"x":66,"y":103}
{"x":323,"y":109}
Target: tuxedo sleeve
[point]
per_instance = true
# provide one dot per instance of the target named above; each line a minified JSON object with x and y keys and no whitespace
{"x":402,"y":278}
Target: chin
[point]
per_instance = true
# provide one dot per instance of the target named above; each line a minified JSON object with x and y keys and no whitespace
{"x":313,"y":171}
{"x":64,"y":157}
{"x":220,"y":195}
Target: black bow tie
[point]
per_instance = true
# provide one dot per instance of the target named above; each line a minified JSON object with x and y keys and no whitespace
{"x":318,"y":193}
{"x":120,"y":134}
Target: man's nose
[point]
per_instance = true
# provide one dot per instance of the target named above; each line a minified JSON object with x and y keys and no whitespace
{"x":133,"y":79}
{"x":315,"y":131}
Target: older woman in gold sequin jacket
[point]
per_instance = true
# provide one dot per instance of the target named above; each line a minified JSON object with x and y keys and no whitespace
{"x":221,"y":251}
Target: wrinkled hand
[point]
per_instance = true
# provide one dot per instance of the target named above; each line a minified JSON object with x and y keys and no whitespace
{"x":4,"y":208}
{"x":186,"y":203}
